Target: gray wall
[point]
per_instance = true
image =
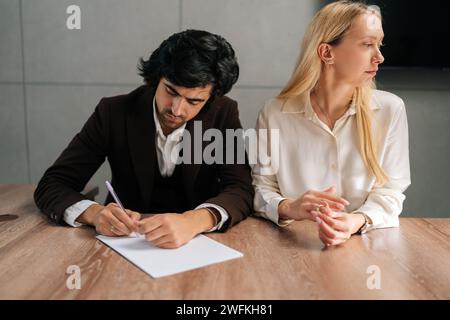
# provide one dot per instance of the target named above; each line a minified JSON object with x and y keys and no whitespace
{"x":51,"y":78}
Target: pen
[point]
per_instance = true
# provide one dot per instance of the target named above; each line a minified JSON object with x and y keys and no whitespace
{"x":116,"y":198}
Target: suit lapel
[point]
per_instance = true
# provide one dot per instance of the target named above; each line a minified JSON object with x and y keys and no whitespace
{"x":190,"y":171}
{"x":141,"y":138}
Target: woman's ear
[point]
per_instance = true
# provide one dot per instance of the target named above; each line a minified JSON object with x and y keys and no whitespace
{"x":325,"y":53}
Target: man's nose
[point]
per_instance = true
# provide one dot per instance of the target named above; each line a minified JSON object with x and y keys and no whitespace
{"x":177,"y":106}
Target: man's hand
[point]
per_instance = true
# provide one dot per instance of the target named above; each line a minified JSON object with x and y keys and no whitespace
{"x":110,"y":220}
{"x":172,"y":230}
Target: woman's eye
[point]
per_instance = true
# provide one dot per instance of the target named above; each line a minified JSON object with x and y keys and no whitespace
{"x":368,"y":44}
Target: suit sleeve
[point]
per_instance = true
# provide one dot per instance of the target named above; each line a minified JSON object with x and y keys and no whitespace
{"x":61,"y":184}
{"x":236,"y":190}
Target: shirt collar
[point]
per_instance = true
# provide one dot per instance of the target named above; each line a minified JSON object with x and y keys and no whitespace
{"x":301,"y":104}
{"x":175,"y":135}
{"x":298,"y":104}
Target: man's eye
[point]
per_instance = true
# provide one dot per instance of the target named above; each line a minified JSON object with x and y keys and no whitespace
{"x":193,"y":103}
{"x":173,"y":94}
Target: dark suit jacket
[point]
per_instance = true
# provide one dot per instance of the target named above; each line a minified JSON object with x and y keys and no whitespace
{"x":122,"y":130}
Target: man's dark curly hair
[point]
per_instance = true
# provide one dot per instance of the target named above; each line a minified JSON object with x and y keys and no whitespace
{"x":193,"y":58}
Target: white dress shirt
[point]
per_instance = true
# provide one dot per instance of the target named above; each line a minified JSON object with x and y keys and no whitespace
{"x":165,"y":146}
{"x":313,"y":157}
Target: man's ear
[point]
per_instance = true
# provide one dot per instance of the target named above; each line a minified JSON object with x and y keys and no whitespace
{"x":325,"y":52}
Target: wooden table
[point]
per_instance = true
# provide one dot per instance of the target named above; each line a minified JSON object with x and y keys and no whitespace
{"x":289,"y":263}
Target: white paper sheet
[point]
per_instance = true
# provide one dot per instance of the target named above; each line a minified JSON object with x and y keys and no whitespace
{"x":199,"y":252}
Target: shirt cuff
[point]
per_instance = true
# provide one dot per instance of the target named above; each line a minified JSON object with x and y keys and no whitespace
{"x":74,"y":211}
{"x":378,"y":218}
{"x":223,"y":214}
{"x":272,"y":212}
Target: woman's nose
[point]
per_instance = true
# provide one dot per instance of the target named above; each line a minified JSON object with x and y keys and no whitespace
{"x":379,"y":57}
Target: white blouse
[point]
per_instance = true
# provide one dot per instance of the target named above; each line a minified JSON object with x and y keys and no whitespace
{"x":311,"y":156}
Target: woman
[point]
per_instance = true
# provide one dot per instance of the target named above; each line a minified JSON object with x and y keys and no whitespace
{"x":343,"y":146}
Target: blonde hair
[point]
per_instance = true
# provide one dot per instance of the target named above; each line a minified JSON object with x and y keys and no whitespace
{"x":328,"y":26}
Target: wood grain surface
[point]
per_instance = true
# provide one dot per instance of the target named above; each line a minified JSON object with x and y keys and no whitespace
{"x":278,"y":263}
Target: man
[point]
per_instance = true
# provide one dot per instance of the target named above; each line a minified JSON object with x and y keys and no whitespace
{"x":186,"y":79}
